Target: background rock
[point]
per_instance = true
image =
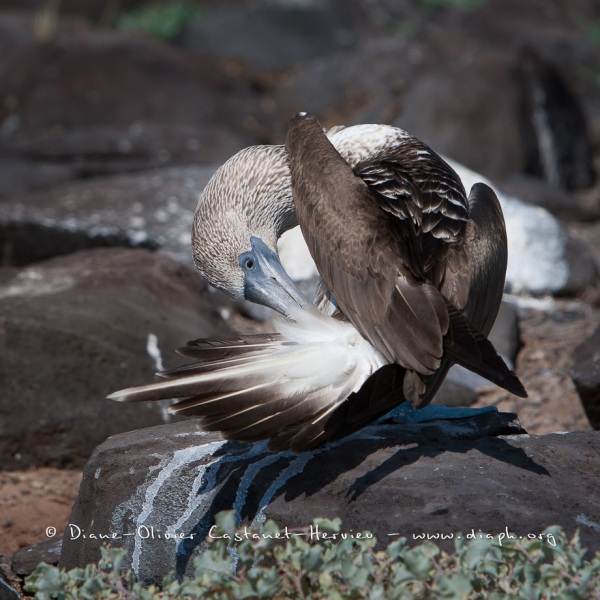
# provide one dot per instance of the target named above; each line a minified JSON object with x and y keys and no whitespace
{"x":77,"y":328}
{"x":444,"y":477}
{"x":441,"y":103}
{"x":17,"y":28}
{"x":586,"y":376}
{"x":7,"y":591}
{"x":20,"y":175}
{"x":281,"y":29}
{"x":92,"y":100}
{"x":26,"y":560}
{"x":558,"y":202}
{"x":153,"y":208}
{"x":362,"y":85}
{"x":91,"y":9}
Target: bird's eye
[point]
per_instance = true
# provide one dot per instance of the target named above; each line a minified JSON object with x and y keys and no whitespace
{"x":247,"y":263}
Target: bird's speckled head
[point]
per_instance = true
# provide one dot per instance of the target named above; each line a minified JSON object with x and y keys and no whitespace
{"x":250,"y":196}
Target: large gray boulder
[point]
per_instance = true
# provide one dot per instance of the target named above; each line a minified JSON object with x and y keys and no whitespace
{"x":155,"y":491}
{"x":74,"y":329}
{"x":105,"y":101}
{"x":7,"y":591}
{"x":152,"y":209}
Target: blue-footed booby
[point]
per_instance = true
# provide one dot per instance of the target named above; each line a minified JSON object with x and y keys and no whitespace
{"x":413,"y":273}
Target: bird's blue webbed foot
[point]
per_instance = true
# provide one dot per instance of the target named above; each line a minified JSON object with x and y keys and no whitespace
{"x":405,"y":413}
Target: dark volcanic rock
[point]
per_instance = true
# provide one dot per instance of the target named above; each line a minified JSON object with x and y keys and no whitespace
{"x":363,"y":85}
{"x":147,"y":487}
{"x":95,"y":10}
{"x":21,"y":176}
{"x":442,"y":105}
{"x":554,"y":127}
{"x":272,"y":37}
{"x":17,"y":29}
{"x":446,"y":69}
{"x":76,"y":328}
{"x":586,"y":376}
{"x":153,"y":209}
{"x":7,"y":591}
{"x":395,"y":81}
{"x":505,"y":332}
{"x":557,"y":201}
{"x":110,"y":102}
{"x":27,"y":559}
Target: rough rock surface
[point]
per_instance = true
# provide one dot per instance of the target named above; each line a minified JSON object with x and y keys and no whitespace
{"x":281,"y":29}
{"x":144,"y":488}
{"x":558,"y":202}
{"x":586,"y":376}
{"x":95,"y":103}
{"x":26,"y":560}
{"x":435,"y":72}
{"x":153,"y":208}
{"x":72,"y":330}
{"x":550,"y":329}
{"x":7,"y":591}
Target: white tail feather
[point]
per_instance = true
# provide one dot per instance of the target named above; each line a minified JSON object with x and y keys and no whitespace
{"x":320,"y":360}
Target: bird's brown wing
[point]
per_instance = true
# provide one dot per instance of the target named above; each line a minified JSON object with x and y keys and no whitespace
{"x":410,"y":181}
{"x":476,"y":271}
{"x":369,"y":258}
{"x":383,"y":249}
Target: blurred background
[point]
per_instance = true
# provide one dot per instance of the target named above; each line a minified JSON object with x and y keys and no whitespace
{"x":88,"y":88}
{"x":114,"y":114}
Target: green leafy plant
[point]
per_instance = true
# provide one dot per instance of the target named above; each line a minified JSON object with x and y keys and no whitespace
{"x":163,"y":19}
{"x":274,"y":563}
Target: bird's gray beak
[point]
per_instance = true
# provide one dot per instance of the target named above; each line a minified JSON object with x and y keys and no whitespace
{"x":266,"y":282}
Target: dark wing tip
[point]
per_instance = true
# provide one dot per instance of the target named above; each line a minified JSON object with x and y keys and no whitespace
{"x":482,"y":188}
{"x":513,"y":385}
